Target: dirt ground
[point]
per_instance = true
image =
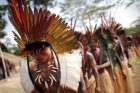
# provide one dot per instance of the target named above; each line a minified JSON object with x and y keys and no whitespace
{"x":136,"y":77}
{"x":12,"y":85}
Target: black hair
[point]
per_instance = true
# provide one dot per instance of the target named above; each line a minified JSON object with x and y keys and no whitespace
{"x":36,"y":46}
{"x":129,"y":38}
{"x":120,"y":32}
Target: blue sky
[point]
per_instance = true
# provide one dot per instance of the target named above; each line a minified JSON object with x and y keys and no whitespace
{"x":123,"y":15}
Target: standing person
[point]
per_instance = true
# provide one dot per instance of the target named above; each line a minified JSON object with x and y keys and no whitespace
{"x":89,"y":69}
{"x":43,"y":36}
{"x":92,"y":65}
{"x":119,"y":69}
{"x":132,"y":50}
{"x":122,"y":36}
{"x":136,"y":40}
{"x":116,"y":55}
{"x":120,"y":76}
{"x":103,"y":63}
{"x":129,"y":87}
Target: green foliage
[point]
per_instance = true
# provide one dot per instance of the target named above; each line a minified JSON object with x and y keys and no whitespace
{"x":133,"y":30}
{"x":2,"y":34}
{"x":3,"y":9}
{"x":43,"y":3}
{"x":2,"y":24}
{"x":15,"y":50}
{"x":136,"y":28}
{"x":82,"y":9}
{"x":131,"y":2}
{"x":3,"y":47}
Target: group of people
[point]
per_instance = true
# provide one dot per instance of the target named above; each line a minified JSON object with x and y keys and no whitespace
{"x":112,"y":53}
{"x":100,"y":58}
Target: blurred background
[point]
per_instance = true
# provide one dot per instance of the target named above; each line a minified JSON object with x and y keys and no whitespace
{"x":126,"y":12}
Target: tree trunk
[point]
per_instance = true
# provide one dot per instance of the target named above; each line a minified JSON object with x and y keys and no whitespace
{"x":3,"y":64}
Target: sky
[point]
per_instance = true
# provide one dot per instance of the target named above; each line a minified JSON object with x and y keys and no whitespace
{"x":123,"y":15}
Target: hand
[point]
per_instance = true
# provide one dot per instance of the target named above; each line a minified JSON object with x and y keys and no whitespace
{"x":98,"y":67}
{"x":124,"y":75}
{"x":97,"y":90}
{"x":34,"y":91}
{"x":129,"y":65}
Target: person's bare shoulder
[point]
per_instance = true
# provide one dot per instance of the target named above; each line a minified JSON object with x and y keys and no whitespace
{"x":32,"y":65}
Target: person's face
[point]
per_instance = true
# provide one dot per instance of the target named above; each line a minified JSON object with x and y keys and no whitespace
{"x":122,"y":36}
{"x":94,"y":45}
{"x":43,"y":55}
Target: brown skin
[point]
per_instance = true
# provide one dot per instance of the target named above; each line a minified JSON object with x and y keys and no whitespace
{"x":119,"y":59}
{"x":82,"y":74}
{"x":96,"y":74}
{"x":42,"y":58}
{"x":93,"y":66}
{"x":96,"y":54}
{"x":125,"y":48}
{"x":34,"y":91}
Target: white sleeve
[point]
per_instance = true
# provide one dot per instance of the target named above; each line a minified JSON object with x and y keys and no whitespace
{"x":70,"y":65}
{"x":24,"y":77}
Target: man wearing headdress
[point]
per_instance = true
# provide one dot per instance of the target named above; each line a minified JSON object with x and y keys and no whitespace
{"x":49,"y":44}
{"x":128,"y":83}
{"x":103,"y":62}
{"x":89,"y":70}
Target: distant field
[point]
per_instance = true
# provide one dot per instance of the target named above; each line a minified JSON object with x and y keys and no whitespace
{"x":12,"y":85}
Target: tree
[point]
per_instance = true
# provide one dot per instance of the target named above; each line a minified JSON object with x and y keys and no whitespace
{"x":85,"y":10}
{"x":136,"y":3}
{"x":15,"y":50}
{"x":2,"y":25}
{"x":43,"y":3}
{"x":78,"y":8}
{"x":3,"y":9}
{"x":133,"y":30}
{"x":2,"y":34}
{"x":2,"y":20}
{"x":132,"y":2}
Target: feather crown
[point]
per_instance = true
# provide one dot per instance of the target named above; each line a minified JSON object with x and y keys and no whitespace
{"x":40,"y":26}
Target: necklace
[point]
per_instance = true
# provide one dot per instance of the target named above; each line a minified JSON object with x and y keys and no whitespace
{"x":45,"y":73}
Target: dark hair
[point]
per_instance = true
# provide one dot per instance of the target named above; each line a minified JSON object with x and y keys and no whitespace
{"x":122,"y":32}
{"x":36,"y":46}
{"x":129,"y":38}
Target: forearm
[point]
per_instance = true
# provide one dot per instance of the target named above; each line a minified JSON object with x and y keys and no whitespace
{"x":106,"y":64}
{"x":119,"y":61}
{"x":96,"y":74}
{"x":128,"y":58}
{"x":120,"y":64}
{"x":34,"y":91}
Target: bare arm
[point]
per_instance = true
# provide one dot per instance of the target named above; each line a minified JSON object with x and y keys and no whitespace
{"x":95,"y":72}
{"x":104,"y":65}
{"x":34,"y":91}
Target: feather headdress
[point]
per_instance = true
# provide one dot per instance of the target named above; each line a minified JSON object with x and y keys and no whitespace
{"x":40,"y":26}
